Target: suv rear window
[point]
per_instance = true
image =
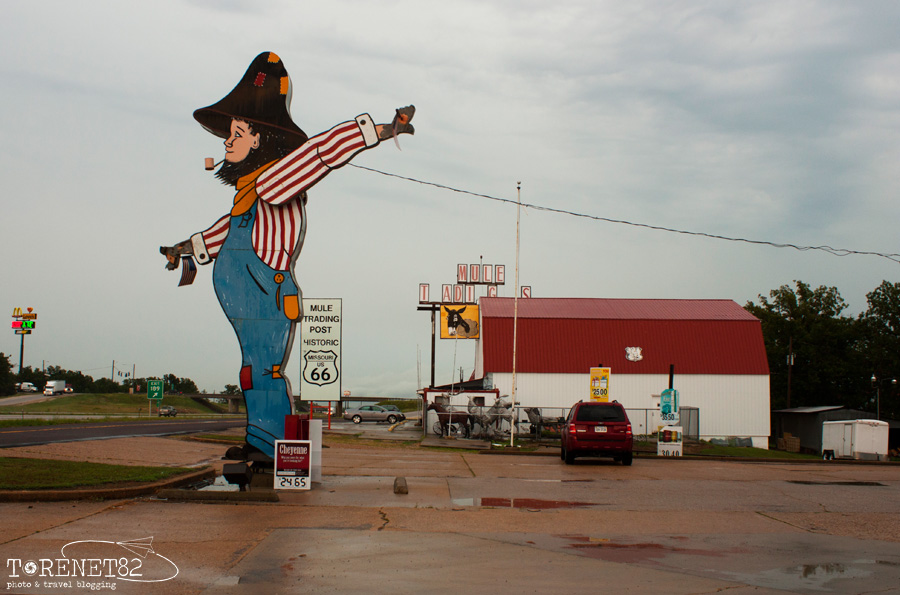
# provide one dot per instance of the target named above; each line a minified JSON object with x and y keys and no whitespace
{"x":600,"y":413}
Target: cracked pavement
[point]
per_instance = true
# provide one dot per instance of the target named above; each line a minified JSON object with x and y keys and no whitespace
{"x":487,"y":522}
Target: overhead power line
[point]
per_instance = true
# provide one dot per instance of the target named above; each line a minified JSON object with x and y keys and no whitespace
{"x":828,"y":249}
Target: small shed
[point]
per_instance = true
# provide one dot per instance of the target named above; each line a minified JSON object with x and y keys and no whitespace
{"x":805,"y":423}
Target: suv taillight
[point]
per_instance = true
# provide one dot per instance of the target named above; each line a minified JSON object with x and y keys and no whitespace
{"x":628,"y":430}
{"x":571,"y":428}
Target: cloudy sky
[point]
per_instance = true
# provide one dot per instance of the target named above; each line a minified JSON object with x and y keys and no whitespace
{"x":773,"y":121}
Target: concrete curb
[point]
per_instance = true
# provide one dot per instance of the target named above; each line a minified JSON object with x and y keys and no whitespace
{"x":209,"y":496}
{"x":108,"y":493}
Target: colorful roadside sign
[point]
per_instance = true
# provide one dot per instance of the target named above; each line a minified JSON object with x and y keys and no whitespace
{"x":292,"y":464}
{"x":24,"y":322}
{"x":600,"y":384}
{"x":669,"y":441}
{"x":668,"y":407}
{"x":155,"y":390}
{"x":459,"y":321}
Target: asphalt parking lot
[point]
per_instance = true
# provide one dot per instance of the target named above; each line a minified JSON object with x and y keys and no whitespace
{"x":476,"y":522}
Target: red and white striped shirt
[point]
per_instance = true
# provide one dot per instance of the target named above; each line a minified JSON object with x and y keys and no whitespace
{"x":278,"y":228}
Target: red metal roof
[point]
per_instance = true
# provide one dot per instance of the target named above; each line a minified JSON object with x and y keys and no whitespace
{"x":569,"y":336}
{"x":618,"y":309}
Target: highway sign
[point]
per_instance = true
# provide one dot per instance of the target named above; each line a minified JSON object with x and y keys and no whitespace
{"x":155,"y":390}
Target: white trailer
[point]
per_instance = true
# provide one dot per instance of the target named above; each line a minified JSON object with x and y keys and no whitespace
{"x":865,"y":439}
{"x":55,"y":387}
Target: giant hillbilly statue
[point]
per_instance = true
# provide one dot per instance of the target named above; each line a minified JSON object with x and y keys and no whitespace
{"x":271,"y":163}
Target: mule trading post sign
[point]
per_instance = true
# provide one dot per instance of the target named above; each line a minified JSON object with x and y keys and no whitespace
{"x":320,"y":350}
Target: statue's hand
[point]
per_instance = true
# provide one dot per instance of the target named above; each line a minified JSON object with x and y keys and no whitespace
{"x":400,"y":124}
{"x":174,"y":253}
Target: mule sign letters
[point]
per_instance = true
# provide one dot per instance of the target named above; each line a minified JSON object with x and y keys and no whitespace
{"x":320,"y":350}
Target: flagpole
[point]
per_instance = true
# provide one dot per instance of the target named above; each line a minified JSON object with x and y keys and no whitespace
{"x":512,"y":429}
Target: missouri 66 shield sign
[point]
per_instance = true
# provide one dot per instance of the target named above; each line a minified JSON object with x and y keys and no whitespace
{"x":320,"y":367}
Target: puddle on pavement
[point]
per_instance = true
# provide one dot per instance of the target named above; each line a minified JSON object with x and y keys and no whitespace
{"x":526,"y":503}
{"x":638,"y":552}
{"x":813,"y":577}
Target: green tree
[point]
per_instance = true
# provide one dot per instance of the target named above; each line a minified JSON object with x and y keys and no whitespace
{"x":827,"y":363}
{"x":881,"y":345}
{"x":105,"y":385}
{"x":184,"y":386}
{"x":78,"y":381}
{"x":231,"y":389}
{"x":7,"y":379}
{"x":35,"y":377}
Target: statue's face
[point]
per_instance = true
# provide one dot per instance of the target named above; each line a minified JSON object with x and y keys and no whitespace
{"x":241,"y":142}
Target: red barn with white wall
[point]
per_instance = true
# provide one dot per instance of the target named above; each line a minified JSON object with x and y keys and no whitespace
{"x":715,"y":346}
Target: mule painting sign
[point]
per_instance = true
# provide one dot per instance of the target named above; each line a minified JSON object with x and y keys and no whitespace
{"x":459,"y":321}
{"x":292,"y":464}
{"x":320,"y":350}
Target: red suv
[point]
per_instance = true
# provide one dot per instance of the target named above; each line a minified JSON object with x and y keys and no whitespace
{"x":597,"y":429}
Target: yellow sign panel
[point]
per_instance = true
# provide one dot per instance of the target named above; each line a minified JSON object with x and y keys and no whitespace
{"x":459,"y":321}
{"x":600,"y":384}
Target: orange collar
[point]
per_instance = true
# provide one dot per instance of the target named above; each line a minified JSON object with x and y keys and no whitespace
{"x":246,"y":191}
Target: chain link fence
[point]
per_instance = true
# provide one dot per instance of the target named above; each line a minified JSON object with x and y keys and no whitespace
{"x":545,"y":423}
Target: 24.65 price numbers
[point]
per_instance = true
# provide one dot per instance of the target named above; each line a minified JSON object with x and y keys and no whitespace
{"x":293,"y":483}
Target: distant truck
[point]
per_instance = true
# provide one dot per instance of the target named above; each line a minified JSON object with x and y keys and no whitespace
{"x":27,"y":387}
{"x":55,"y":387}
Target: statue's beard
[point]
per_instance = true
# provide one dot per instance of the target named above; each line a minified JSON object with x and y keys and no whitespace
{"x":230,"y":172}
{"x":273,"y":145}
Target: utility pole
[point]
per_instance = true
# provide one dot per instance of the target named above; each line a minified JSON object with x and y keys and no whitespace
{"x":790,"y":365}
{"x":512,"y":425}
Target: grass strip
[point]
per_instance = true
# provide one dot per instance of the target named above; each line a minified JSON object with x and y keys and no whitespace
{"x":47,"y":474}
{"x":100,"y":403}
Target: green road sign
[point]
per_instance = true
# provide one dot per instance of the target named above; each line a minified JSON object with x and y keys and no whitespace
{"x":155,"y":389}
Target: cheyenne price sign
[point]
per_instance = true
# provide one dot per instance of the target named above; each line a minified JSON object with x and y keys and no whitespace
{"x":292,"y":464}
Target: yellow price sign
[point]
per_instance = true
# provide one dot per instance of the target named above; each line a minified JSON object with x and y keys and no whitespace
{"x":600,"y":384}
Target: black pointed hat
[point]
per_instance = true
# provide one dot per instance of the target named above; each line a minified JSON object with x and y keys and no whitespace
{"x":263,"y":96}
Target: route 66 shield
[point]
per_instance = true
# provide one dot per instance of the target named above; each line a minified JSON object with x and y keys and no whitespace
{"x":320,"y":367}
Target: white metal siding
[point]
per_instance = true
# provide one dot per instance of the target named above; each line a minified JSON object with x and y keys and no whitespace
{"x":730,"y":405}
